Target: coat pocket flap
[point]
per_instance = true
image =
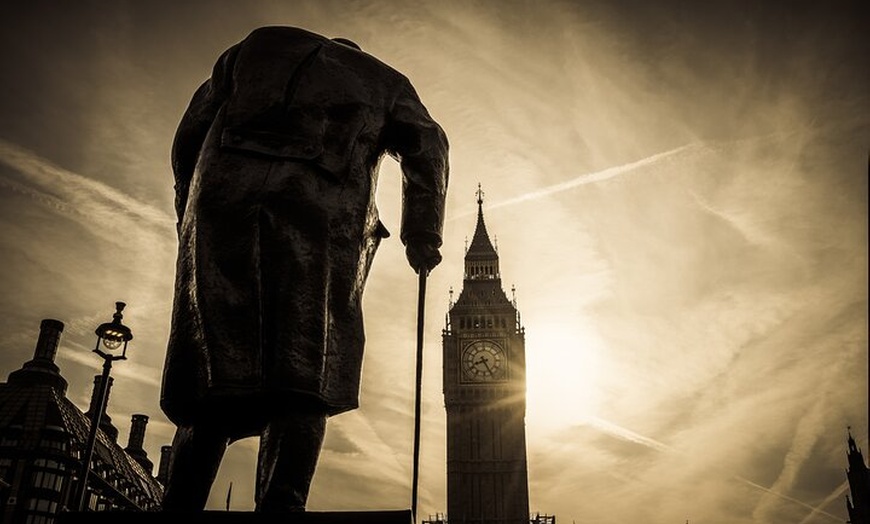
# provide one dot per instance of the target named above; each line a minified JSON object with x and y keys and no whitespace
{"x":270,"y":143}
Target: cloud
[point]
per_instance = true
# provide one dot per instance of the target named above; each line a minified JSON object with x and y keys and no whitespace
{"x":130,"y":370}
{"x":107,"y":212}
{"x":343,"y":477}
{"x":339,"y":442}
{"x":131,"y":240}
{"x":805,"y":437}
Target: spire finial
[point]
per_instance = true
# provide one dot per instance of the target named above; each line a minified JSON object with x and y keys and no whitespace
{"x":479,"y":196}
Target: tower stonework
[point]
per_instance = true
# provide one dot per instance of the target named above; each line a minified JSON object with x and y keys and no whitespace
{"x":485,"y":395}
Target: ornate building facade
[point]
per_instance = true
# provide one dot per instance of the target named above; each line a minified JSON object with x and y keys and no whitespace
{"x":485,"y":395}
{"x":43,"y":435}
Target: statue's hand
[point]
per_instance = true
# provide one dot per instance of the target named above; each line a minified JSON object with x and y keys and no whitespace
{"x":422,"y":255}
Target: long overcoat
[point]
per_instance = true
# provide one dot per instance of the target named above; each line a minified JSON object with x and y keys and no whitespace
{"x":276,"y":163}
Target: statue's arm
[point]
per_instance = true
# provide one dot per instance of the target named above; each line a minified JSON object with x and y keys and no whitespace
{"x":421,"y":147}
{"x":195,"y":124}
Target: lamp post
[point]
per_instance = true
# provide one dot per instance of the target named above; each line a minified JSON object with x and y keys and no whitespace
{"x":112,"y":338}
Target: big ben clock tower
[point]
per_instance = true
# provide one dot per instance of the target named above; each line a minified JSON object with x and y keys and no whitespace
{"x":485,"y":395}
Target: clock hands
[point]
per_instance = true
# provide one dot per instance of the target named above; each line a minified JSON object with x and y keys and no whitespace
{"x":485,"y":361}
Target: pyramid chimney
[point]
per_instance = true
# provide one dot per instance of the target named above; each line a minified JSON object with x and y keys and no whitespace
{"x":42,"y":369}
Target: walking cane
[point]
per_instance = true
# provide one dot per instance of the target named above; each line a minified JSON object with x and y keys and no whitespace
{"x":421,"y":299}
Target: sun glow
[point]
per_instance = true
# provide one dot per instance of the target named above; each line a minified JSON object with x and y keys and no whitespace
{"x":562,"y":367}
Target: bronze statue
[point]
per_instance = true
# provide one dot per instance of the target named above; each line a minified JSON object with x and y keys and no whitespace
{"x":276,"y":164}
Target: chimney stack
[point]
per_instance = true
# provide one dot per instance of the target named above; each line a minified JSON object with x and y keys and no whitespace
{"x":42,"y":370}
{"x":163,"y":468}
{"x":49,"y":339}
{"x":137,"y":439}
{"x":105,"y":420}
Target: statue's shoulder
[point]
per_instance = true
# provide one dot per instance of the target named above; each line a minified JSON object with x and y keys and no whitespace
{"x":273,"y":32}
{"x":267,"y":43}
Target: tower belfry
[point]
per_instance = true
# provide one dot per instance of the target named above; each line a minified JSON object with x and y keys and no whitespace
{"x":485,"y":394}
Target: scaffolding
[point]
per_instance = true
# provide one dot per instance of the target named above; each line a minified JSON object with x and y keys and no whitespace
{"x":438,"y":518}
{"x":538,"y":518}
{"x":534,"y":518}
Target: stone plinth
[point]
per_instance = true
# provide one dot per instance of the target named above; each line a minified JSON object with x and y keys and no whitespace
{"x":239,"y":517}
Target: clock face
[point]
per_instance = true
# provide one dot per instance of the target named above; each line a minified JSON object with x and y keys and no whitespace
{"x":484,"y":361}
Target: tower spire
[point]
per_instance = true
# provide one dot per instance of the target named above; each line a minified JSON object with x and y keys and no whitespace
{"x":481,"y":257}
{"x":858,"y":476}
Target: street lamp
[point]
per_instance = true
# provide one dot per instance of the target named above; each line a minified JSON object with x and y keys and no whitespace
{"x":112,"y":338}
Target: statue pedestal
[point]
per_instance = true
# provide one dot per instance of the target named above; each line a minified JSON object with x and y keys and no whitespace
{"x":238,"y":517}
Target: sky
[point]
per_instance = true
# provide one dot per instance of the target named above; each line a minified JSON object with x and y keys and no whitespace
{"x":678,"y":191}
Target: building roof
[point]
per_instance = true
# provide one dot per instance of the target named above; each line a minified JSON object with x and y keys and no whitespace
{"x":33,"y":400}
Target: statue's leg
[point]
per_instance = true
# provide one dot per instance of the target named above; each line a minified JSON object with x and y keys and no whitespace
{"x":196,"y":456}
{"x":289,"y":449}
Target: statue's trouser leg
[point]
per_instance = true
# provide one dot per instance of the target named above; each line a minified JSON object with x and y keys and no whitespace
{"x":289,"y":449}
{"x":196,"y":456}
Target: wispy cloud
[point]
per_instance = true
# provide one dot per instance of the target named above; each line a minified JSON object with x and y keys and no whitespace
{"x":103,"y":241}
{"x":108,"y":212}
{"x":775,"y":491}
{"x":342,"y":477}
{"x":131,"y":370}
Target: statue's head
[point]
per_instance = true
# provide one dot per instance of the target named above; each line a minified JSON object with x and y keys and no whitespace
{"x":349,"y":43}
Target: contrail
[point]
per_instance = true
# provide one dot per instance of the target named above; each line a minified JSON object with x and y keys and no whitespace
{"x":113,"y":217}
{"x":837,"y":493}
{"x":752,"y":233}
{"x":626,"y":434}
{"x":631,"y":436}
{"x":815,"y":510}
{"x":805,"y":437}
{"x":612,"y":172}
{"x":588,"y":178}
{"x":89,"y":202}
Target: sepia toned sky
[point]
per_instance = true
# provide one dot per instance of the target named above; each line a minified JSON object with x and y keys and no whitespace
{"x":678,"y":191}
